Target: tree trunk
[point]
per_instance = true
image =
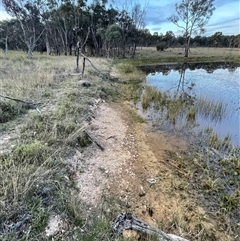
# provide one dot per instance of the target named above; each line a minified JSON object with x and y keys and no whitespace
{"x":70,"y":49}
{"x":134,"y":50}
{"x":65,"y":37}
{"x":187,"y":46}
{"x":77,"y":53}
{"x":95,"y":43}
{"x":30,"y":50}
{"x":48,"y":45}
{"x":6,"y":46}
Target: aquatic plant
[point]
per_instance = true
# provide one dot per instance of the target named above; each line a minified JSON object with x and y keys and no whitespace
{"x":215,"y":110}
{"x":182,"y":106}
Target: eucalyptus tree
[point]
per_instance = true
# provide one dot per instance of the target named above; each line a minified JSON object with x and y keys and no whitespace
{"x":4,"y":35}
{"x":217,"y":39}
{"x":61,"y":24}
{"x":191,"y":17}
{"x":114,"y":37}
{"x":137,"y":14}
{"x":99,"y":21}
{"x":169,"y":38}
{"x":29,"y":15}
{"x":145,"y":37}
{"x":236,"y":41}
{"x":9,"y":35}
{"x":131,"y":19}
{"x":126,"y":23}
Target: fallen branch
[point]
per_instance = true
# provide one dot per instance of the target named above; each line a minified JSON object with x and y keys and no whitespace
{"x":85,"y":57}
{"x":96,"y":142}
{"x":16,"y":226}
{"x":103,"y":76}
{"x":126,"y":221}
{"x":30,"y":105}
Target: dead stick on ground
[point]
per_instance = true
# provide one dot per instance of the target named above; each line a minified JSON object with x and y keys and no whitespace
{"x":93,"y":140}
{"x":30,"y":105}
{"x":126,"y":221}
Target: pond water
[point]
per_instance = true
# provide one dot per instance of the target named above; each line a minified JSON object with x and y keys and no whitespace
{"x":219,"y":87}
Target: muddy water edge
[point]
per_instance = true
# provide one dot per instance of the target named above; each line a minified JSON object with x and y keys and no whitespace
{"x":203,"y":175}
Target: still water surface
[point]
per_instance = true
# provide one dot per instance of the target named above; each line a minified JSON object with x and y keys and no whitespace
{"x":220,"y":85}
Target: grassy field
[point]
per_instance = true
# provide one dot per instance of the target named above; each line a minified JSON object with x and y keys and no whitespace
{"x":194,"y":52}
{"x":35,"y":181}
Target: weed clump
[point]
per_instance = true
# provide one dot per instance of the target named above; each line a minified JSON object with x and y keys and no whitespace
{"x":33,"y":152}
{"x":9,"y":111}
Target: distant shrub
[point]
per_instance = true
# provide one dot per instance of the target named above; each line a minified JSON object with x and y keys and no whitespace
{"x":161,"y":46}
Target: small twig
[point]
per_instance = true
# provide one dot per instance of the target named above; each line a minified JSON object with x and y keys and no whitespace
{"x":75,"y":74}
{"x":110,"y":137}
{"x":84,"y":225}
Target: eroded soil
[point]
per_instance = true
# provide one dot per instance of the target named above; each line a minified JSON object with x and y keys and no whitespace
{"x":137,"y":167}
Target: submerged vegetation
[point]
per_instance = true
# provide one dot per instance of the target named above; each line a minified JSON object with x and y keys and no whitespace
{"x":181,"y":106}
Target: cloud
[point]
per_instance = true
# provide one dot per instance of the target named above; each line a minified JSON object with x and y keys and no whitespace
{"x":229,"y":27}
{"x":4,"y":15}
{"x":225,"y":18}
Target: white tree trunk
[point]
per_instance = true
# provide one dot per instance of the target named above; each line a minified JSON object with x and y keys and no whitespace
{"x":30,"y":49}
{"x":6,"y":46}
{"x":48,"y":45}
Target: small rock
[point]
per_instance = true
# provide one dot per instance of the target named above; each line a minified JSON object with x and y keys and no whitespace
{"x":142,"y":193}
{"x":152,"y":180}
{"x":84,"y":83}
{"x":128,"y":205}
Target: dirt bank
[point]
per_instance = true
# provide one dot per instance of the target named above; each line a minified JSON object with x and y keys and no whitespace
{"x":138,"y":168}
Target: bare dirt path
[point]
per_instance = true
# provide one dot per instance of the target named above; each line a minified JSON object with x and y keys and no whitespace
{"x":138,"y":168}
{"x":131,"y":168}
{"x":103,"y":166}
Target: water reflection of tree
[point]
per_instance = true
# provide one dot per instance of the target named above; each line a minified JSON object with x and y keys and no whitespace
{"x":232,"y":70}
{"x":183,"y":87}
{"x":192,"y":105}
{"x":166,"y":71}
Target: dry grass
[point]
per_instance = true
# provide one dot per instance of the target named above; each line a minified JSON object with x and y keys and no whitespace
{"x":34,"y":178}
{"x":205,"y":52}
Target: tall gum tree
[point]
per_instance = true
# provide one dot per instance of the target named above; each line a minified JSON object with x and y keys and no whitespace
{"x":191,"y":16}
{"x":29,"y":14}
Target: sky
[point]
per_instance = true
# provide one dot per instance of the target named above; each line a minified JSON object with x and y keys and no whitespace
{"x":225,"y":18}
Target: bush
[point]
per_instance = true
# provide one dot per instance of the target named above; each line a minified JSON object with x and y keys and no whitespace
{"x":161,"y":46}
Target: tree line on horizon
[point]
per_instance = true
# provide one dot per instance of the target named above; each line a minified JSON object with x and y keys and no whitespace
{"x":61,"y":26}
